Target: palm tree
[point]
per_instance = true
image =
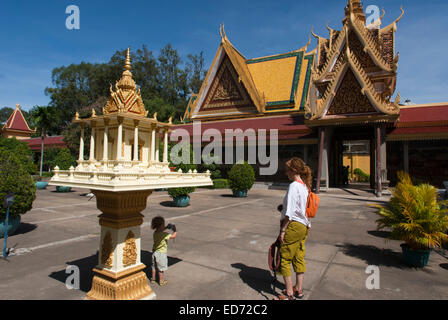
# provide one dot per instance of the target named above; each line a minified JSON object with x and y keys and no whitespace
{"x":44,"y":119}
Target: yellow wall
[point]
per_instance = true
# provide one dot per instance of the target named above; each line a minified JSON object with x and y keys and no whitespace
{"x":360,"y":161}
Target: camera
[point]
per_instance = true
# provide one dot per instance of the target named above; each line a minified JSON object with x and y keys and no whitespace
{"x":171,"y":226}
{"x":280,"y":208}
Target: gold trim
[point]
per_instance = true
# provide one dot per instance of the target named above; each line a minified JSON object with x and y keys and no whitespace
{"x":131,"y":284}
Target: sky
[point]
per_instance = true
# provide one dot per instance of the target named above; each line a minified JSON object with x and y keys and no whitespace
{"x":35,"y":40}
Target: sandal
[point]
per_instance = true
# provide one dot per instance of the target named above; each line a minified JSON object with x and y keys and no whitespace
{"x":285,"y":297}
{"x":298,"y":294}
{"x":153,"y":281}
{"x":163,"y":283}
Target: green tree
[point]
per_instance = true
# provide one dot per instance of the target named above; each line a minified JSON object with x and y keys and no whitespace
{"x":5,"y":112}
{"x":14,"y":177}
{"x":21,"y":150}
{"x":63,"y":159}
{"x":45,"y":119}
{"x":195,"y":68}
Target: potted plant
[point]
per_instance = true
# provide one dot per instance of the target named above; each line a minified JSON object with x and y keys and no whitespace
{"x":14,"y":177}
{"x":181,"y":196}
{"x":416,"y":217}
{"x":241,"y":179}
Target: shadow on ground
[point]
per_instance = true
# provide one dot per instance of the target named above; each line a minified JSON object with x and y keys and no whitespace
{"x":261,"y":280}
{"x":227,"y":195}
{"x":171,"y":204}
{"x":374,"y":256}
{"x":87,"y":264}
{"x":444,"y":266}
{"x":380,"y":234}
{"x":25,"y":228}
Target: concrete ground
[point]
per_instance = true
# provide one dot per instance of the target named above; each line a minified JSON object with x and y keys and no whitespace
{"x":221,"y":249}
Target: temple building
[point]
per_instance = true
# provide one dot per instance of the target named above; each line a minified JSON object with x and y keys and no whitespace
{"x":16,"y":126}
{"x":319,"y":100}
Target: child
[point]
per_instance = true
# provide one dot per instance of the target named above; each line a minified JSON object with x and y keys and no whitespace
{"x":160,"y":248}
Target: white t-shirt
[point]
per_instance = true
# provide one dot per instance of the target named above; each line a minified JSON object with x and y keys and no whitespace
{"x":294,"y":203}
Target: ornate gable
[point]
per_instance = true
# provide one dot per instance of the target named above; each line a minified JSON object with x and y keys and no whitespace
{"x":349,"y":99}
{"x":226,"y":92}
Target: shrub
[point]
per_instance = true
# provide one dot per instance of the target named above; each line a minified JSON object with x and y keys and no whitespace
{"x":361,"y":176}
{"x":241,"y":177}
{"x":221,"y":184}
{"x":180,"y":192}
{"x":63,"y":159}
{"x":414,"y":215}
{"x":14,"y":177}
{"x":21,"y":150}
{"x":215,"y":169}
{"x":178,"y":161}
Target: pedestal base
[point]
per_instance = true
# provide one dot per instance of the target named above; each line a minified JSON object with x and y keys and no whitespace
{"x":131,"y":284}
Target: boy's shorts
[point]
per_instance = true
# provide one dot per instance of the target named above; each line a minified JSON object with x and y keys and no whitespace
{"x":160,"y":259}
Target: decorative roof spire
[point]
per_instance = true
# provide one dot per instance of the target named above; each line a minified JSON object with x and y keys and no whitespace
{"x":127,"y":64}
{"x":126,"y":97}
{"x":354,"y":7}
{"x":126,"y":82}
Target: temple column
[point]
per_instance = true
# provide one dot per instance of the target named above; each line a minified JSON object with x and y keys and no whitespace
{"x":157,"y":155}
{"x":305,"y":153}
{"x":81,"y":144}
{"x":378,"y":161}
{"x":319,"y":164}
{"x":120,"y":274}
{"x":105,"y":140}
{"x":136,"y":141}
{"x":92,"y":144}
{"x":165,"y":146}
{"x":119,"y":138}
{"x":153,"y":144}
{"x":406,"y":156}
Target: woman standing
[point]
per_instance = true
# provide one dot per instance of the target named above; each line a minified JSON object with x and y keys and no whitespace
{"x":294,"y":228}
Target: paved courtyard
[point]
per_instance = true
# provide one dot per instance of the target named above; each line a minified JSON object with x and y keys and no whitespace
{"x":221,"y":249}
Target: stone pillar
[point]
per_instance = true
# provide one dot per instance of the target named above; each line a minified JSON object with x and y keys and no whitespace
{"x":165,"y":146}
{"x":383,"y":148}
{"x":92,"y":144}
{"x":119,"y":274}
{"x":305,"y":153}
{"x":153,"y":144}
{"x":157,"y":154}
{"x":119,"y":138}
{"x":81,"y":143}
{"x":136,"y":141}
{"x":319,"y":164}
{"x":406,"y":156}
{"x":105,"y":140}
{"x":378,"y":161}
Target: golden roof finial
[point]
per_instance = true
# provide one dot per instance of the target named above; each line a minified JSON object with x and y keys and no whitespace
{"x":17,"y":106}
{"x":170,"y":120}
{"x":93,"y":113}
{"x":155,"y":116}
{"x":76,"y":115}
{"x":314,"y":35}
{"x":401,"y":15}
{"x":127,"y":64}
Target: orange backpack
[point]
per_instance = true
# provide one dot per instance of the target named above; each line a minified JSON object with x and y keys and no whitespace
{"x":312,"y":204}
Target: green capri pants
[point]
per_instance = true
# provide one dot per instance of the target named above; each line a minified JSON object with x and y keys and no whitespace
{"x":292,"y":250}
